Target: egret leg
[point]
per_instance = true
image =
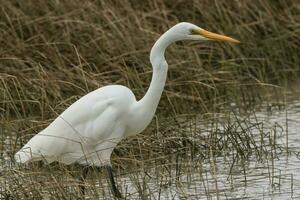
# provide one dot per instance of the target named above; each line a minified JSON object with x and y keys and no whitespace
{"x":82,"y":179}
{"x":114,"y":188}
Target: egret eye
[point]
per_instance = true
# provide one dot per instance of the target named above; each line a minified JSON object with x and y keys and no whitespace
{"x":193,"y":32}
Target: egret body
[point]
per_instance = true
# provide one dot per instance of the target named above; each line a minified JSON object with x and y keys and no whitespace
{"x":89,"y":130}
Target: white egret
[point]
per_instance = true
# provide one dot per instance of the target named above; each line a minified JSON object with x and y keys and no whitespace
{"x":89,"y":130}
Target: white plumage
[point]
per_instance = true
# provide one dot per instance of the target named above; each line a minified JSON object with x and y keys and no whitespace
{"x":90,"y":128}
{"x":86,"y":132}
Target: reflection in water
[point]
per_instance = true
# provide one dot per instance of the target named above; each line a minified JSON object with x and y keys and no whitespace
{"x":276,"y":177}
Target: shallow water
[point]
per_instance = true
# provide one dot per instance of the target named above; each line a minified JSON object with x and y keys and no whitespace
{"x":276,"y":177}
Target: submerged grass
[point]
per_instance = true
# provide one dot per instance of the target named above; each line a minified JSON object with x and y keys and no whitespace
{"x":183,"y":159}
{"x":54,"y":52}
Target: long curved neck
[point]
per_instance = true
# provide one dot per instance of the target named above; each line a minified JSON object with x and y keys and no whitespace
{"x":144,"y":110}
{"x":149,"y":102}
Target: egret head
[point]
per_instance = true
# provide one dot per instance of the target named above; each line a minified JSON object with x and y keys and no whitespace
{"x":182,"y":31}
{"x":188,"y":31}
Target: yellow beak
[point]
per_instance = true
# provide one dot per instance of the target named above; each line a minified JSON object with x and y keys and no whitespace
{"x":214,"y":36}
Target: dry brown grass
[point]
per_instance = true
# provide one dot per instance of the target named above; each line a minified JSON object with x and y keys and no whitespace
{"x":53,"y":52}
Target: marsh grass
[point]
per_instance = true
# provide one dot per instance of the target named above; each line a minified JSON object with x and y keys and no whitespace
{"x":182,"y":158}
{"x":54,"y":52}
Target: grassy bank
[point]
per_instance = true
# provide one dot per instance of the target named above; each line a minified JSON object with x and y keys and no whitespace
{"x":54,"y":52}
